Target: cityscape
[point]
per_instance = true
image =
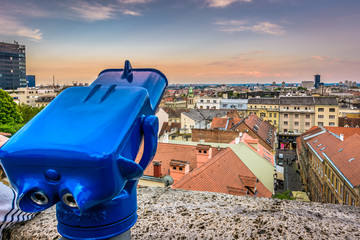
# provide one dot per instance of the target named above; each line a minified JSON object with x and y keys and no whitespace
{"x":286,"y":128}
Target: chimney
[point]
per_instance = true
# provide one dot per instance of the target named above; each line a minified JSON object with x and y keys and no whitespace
{"x":204,"y":153}
{"x":254,"y":143}
{"x":178,"y":169}
{"x":157,"y":168}
{"x":342,"y":137}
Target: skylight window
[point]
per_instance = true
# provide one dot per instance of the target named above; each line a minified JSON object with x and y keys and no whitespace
{"x":351,"y":159}
{"x":319,"y":145}
{"x":322,"y":148}
{"x":340,"y":150}
{"x":316,"y":141}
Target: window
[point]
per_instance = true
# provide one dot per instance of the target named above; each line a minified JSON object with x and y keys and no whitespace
{"x":337,"y":185}
{"x":250,"y":106}
{"x":346,"y":197}
{"x":307,"y":116}
{"x":174,"y":168}
{"x":320,"y":124}
{"x":201,"y":100}
{"x":270,"y":114}
{"x":285,"y":130}
{"x":305,"y":108}
{"x":296,"y":123}
{"x":274,"y":115}
{"x":307,"y":124}
{"x":180,"y":168}
{"x":296,"y":130}
{"x":321,"y":116}
{"x":286,"y":115}
{"x":296,"y":115}
{"x":285,"y":123}
{"x":331,"y":124}
{"x":214,"y":101}
{"x":294,"y":108}
{"x":320,"y":109}
{"x":207,"y":107}
{"x":274,"y":122}
{"x":225,"y":105}
{"x":332,"y":110}
{"x":331,"y":116}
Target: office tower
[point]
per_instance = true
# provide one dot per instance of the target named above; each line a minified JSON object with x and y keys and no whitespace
{"x":30,"y":80}
{"x":317,"y":81}
{"x":12,"y":65}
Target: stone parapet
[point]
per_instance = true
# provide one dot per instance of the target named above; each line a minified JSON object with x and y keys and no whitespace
{"x":179,"y":214}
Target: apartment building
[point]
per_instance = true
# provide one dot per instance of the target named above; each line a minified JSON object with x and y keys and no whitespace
{"x":33,"y":96}
{"x":208,"y":103}
{"x":299,"y":114}
{"x":326,"y":111}
{"x":329,"y":164}
{"x":265,"y":108}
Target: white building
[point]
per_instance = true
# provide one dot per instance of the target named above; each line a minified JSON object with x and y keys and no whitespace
{"x":208,"y":103}
{"x":239,"y":104}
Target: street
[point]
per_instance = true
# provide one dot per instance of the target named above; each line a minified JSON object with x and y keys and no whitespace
{"x":292,"y":180}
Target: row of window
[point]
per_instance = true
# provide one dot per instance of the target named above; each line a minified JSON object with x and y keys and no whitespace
{"x":322,"y":109}
{"x":330,"y":116}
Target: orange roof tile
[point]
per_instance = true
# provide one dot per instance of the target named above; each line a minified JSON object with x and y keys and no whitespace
{"x":166,"y":152}
{"x":345,"y":155}
{"x":344,"y":130}
{"x":261,"y":150}
{"x":262,"y":128}
{"x":224,"y":173}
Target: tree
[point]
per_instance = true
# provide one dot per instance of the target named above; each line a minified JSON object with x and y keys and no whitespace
{"x":302,"y":88}
{"x":9,"y":111}
{"x":28,"y":112}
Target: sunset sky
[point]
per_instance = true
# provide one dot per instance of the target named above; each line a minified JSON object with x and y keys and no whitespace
{"x":190,"y":41}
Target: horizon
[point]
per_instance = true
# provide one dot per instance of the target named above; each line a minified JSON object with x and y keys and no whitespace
{"x":192,"y":41}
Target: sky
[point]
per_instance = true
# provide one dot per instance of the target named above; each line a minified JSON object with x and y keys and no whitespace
{"x":190,"y":41}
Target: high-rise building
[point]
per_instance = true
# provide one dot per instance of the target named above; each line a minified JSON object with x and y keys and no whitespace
{"x":30,"y":80}
{"x":317,"y":81}
{"x":12,"y":65}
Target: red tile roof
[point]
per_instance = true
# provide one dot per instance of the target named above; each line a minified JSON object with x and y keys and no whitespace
{"x":166,"y":152}
{"x":3,"y":140}
{"x":224,"y":122}
{"x":261,"y":150}
{"x":344,"y":130}
{"x":262,"y":128}
{"x":224,"y":173}
{"x":345,"y":155}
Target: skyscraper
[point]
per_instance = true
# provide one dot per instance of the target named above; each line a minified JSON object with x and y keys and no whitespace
{"x":317,"y":81}
{"x":12,"y":65}
{"x":30,"y":80}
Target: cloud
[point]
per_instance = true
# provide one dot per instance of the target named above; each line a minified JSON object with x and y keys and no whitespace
{"x":94,"y":11}
{"x":11,"y":27}
{"x":223,"y":3}
{"x":242,"y":25}
{"x":134,"y":1}
{"x":132,"y":13}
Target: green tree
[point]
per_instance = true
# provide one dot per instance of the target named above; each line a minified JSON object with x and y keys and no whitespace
{"x":28,"y":112}
{"x":302,"y":88}
{"x":284,"y":195}
{"x":9,"y":111}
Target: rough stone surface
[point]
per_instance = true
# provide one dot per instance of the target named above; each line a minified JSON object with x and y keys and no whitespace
{"x":180,"y":214}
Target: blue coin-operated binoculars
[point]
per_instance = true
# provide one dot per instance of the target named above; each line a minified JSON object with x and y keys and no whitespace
{"x":79,"y":153}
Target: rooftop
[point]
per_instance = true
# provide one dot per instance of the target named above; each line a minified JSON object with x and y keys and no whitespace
{"x":179,"y":214}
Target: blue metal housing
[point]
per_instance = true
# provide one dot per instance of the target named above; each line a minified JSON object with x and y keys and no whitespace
{"x":79,"y":152}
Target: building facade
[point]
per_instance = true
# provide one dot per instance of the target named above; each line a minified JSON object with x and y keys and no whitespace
{"x":30,"y":81}
{"x":329,"y":165}
{"x":12,"y":66}
{"x":266,"y":109}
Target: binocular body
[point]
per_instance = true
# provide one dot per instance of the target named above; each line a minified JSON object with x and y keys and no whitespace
{"x":79,"y":152}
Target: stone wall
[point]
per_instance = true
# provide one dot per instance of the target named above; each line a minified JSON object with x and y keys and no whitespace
{"x":179,"y":214}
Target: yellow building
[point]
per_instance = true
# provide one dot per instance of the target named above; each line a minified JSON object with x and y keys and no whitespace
{"x":326,"y":111}
{"x":265,"y":108}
